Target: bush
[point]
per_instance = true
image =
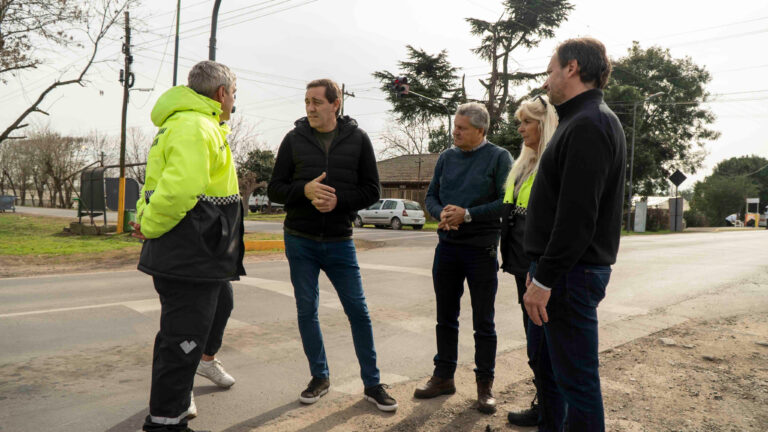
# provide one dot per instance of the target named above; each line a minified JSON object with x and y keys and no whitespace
{"x":695,"y":218}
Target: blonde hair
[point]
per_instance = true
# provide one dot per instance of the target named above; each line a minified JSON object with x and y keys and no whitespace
{"x":541,"y":110}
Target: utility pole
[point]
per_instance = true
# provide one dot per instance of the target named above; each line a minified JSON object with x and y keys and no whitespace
{"x":344,"y":93}
{"x":214,"y":22}
{"x":127,"y":79}
{"x":176,"y":49}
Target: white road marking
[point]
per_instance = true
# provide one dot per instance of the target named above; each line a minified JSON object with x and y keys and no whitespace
{"x":46,"y":311}
{"x":328,"y":299}
{"x":397,"y":269}
{"x":373,"y":237}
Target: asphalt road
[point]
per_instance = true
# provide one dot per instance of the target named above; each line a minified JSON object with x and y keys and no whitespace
{"x":75,"y":350}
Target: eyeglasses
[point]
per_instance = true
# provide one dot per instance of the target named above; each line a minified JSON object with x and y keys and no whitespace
{"x":541,"y":99}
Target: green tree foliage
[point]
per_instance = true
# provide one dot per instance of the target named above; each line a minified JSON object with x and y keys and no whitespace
{"x":754,"y":168}
{"x":439,"y":139}
{"x":671,"y":129}
{"x":524,"y":24}
{"x":259,"y":164}
{"x":430,"y":75}
{"x":719,"y":196}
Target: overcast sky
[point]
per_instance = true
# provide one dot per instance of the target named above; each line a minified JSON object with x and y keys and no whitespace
{"x":276,"y":46}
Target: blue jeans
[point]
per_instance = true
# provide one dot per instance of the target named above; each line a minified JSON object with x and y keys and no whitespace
{"x":339,"y":262}
{"x":564,"y":352}
{"x":452,"y":265}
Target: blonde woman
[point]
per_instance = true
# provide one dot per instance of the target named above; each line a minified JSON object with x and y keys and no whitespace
{"x":538,"y":121}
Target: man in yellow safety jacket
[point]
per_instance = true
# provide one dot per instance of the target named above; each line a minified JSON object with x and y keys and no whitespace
{"x":190,"y":216}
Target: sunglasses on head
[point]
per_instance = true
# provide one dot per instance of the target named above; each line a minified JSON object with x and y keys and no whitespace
{"x":541,"y":99}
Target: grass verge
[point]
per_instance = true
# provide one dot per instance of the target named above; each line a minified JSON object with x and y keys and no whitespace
{"x":25,"y":235}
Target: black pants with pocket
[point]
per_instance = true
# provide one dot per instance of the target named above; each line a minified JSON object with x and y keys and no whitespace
{"x":192,"y":321}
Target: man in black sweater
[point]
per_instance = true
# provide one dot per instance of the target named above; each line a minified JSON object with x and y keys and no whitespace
{"x":325,"y":171}
{"x":572,"y":236}
{"x":465,"y":194}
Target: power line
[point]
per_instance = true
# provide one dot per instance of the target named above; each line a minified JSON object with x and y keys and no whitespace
{"x":233,"y":21}
{"x":159,"y":68}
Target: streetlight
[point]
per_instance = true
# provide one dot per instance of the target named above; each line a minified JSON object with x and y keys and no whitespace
{"x":632,"y":157}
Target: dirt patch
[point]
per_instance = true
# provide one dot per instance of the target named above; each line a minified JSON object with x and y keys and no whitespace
{"x":707,"y":376}
{"x":36,"y":265}
{"x":117,"y":260}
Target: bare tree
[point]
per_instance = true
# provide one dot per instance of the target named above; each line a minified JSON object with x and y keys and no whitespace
{"x":139,"y":142}
{"x":97,"y":20}
{"x":101,"y":147}
{"x":22,"y":22}
{"x":409,"y":138}
{"x":243,"y":139}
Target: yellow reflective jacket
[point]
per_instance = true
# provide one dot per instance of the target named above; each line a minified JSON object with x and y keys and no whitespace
{"x":189,"y":207}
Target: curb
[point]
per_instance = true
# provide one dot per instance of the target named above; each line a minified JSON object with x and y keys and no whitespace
{"x":264,"y":245}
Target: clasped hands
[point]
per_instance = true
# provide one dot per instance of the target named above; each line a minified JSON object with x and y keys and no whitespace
{"x":322,"y":196}
{"x":451,"y":217}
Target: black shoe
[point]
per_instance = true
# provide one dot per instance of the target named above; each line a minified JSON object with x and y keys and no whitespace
{"x":316,"y":389}
{"x":528,"y":417}
{"x":154,"y":427}
{"x":378,"y":395}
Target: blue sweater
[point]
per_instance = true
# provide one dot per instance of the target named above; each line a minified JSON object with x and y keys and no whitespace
{"x":475,"y":181}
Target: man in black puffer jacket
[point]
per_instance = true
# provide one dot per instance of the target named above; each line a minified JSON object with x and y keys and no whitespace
{"x":325,"y":171}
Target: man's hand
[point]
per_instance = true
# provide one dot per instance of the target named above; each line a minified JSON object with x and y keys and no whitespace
{"x":316,"y":190}
{"x":452,"y":216}
{"x":443,"y":224}
{"x":325,"y":205}
{"x":535,"y":300}
{"x":136,"y":230}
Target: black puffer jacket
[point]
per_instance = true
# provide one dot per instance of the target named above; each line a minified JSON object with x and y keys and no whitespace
{"x":350,"y":167}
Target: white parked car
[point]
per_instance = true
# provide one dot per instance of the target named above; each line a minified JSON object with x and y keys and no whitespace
{"x":392,"y":212}
{"x":260,"y":203}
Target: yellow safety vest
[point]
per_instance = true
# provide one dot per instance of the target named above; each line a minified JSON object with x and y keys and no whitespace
{"x":523,"y":195}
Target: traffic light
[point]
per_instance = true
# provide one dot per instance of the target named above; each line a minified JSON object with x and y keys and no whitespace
{"x":400,"y":86}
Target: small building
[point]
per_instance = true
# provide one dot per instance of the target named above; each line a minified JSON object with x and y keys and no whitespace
{"x":407,"y":177}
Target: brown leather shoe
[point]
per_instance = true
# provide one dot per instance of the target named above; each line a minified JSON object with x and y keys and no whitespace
{"x":486,"y":403}
{"x":436,"y":386}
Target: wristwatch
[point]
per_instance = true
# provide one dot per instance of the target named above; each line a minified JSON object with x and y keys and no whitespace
{"x":467,"y":216}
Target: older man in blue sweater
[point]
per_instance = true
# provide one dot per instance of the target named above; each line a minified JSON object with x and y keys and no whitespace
{"x":465,"y":194}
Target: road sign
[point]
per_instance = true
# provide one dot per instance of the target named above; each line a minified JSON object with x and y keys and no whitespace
{"x":677,"y":177}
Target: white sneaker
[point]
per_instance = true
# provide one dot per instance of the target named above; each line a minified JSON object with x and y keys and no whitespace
{"x":191,"y":412}
{"x":214,"y":371}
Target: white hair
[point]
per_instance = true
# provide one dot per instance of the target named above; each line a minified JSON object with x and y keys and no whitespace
{"x":477,"y":113}
{"x":207,"y":76}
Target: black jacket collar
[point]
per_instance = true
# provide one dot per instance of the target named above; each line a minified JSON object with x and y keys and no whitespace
{"x":574,"y":104}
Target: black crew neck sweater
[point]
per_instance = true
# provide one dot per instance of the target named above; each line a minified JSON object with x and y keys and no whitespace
{"x":575,"y":209}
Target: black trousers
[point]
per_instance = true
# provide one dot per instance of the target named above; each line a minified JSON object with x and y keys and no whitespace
{"x":453,"y":264}
{"x":192,"y":321}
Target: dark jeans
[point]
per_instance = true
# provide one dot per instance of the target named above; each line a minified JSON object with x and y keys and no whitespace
{"x":452,"y":265}
{"x":339,"y":262}
{"x":191,"y":317}
{"x":565,"y":352}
